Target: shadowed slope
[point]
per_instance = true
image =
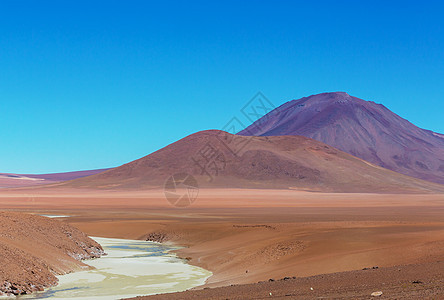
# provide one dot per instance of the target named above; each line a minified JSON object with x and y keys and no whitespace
{"x":261,"y":162}
{"x":364,"y":129}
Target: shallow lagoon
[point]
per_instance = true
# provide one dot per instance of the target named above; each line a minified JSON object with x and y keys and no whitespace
{"x":131,"y":268}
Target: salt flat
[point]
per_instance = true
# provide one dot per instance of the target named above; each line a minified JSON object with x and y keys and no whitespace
{"x":131,"y":268}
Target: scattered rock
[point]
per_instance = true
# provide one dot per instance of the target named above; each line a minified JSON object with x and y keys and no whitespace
{"x":254,"y":226}
{"x":372,"y":268}
{"x":376,"y":294}
{"x":158,"y":237}
{"x":417,"y":282}
{"x":271,"y":280}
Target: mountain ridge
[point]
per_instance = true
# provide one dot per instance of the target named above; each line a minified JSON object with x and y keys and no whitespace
{"x":365,"y":129}
{"x":289,"y":162}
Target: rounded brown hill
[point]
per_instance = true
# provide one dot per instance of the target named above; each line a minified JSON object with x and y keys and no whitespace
{"x":219,"y":159}
{"x":33,"y":249}
{"x":361,"y":128}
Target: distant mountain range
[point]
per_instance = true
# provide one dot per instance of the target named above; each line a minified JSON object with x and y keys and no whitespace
{"x":361,"y":128}
{"x":290,"y":162}
{"x":8,"y":180}
{"x":330,"y":142}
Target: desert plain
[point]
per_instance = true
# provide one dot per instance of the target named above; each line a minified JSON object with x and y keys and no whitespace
{"x":360,"y":243}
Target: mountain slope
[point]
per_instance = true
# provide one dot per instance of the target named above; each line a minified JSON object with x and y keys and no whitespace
{"x":362,"y":128}
{"x":260,"y":162}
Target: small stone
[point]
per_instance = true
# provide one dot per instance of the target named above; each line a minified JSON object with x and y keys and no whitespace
{"x":417,"y":282}
{"x":311,"y":288}
{"x":376,"y":294}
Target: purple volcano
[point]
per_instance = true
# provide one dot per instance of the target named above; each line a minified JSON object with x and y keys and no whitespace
{"x":362,"y":128}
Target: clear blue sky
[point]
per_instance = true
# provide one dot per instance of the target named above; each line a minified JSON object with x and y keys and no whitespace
{"x":92,"y":84}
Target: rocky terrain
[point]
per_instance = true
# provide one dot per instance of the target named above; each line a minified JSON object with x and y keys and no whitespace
{"x":419,"y":281}
{"x":34,"y":249}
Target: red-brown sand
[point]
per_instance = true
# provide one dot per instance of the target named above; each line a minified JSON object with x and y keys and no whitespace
{"x":246,"y":236}
{"x":416,"y":281}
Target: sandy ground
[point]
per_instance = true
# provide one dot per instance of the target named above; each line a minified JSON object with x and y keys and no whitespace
{"x":418,"y":281}
{"x":246,"y":236}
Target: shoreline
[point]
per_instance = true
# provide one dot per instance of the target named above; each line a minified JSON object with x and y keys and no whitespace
{"x":130,"y":268}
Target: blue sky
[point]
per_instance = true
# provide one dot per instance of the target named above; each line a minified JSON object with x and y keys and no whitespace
{"x":92,"y":84}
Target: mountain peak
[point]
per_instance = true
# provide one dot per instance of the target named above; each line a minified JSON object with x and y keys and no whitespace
{"x":321,"y":101}
{"x":333,"y":94}
{"x":362,"y":128}
{"x":329,"y":97}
